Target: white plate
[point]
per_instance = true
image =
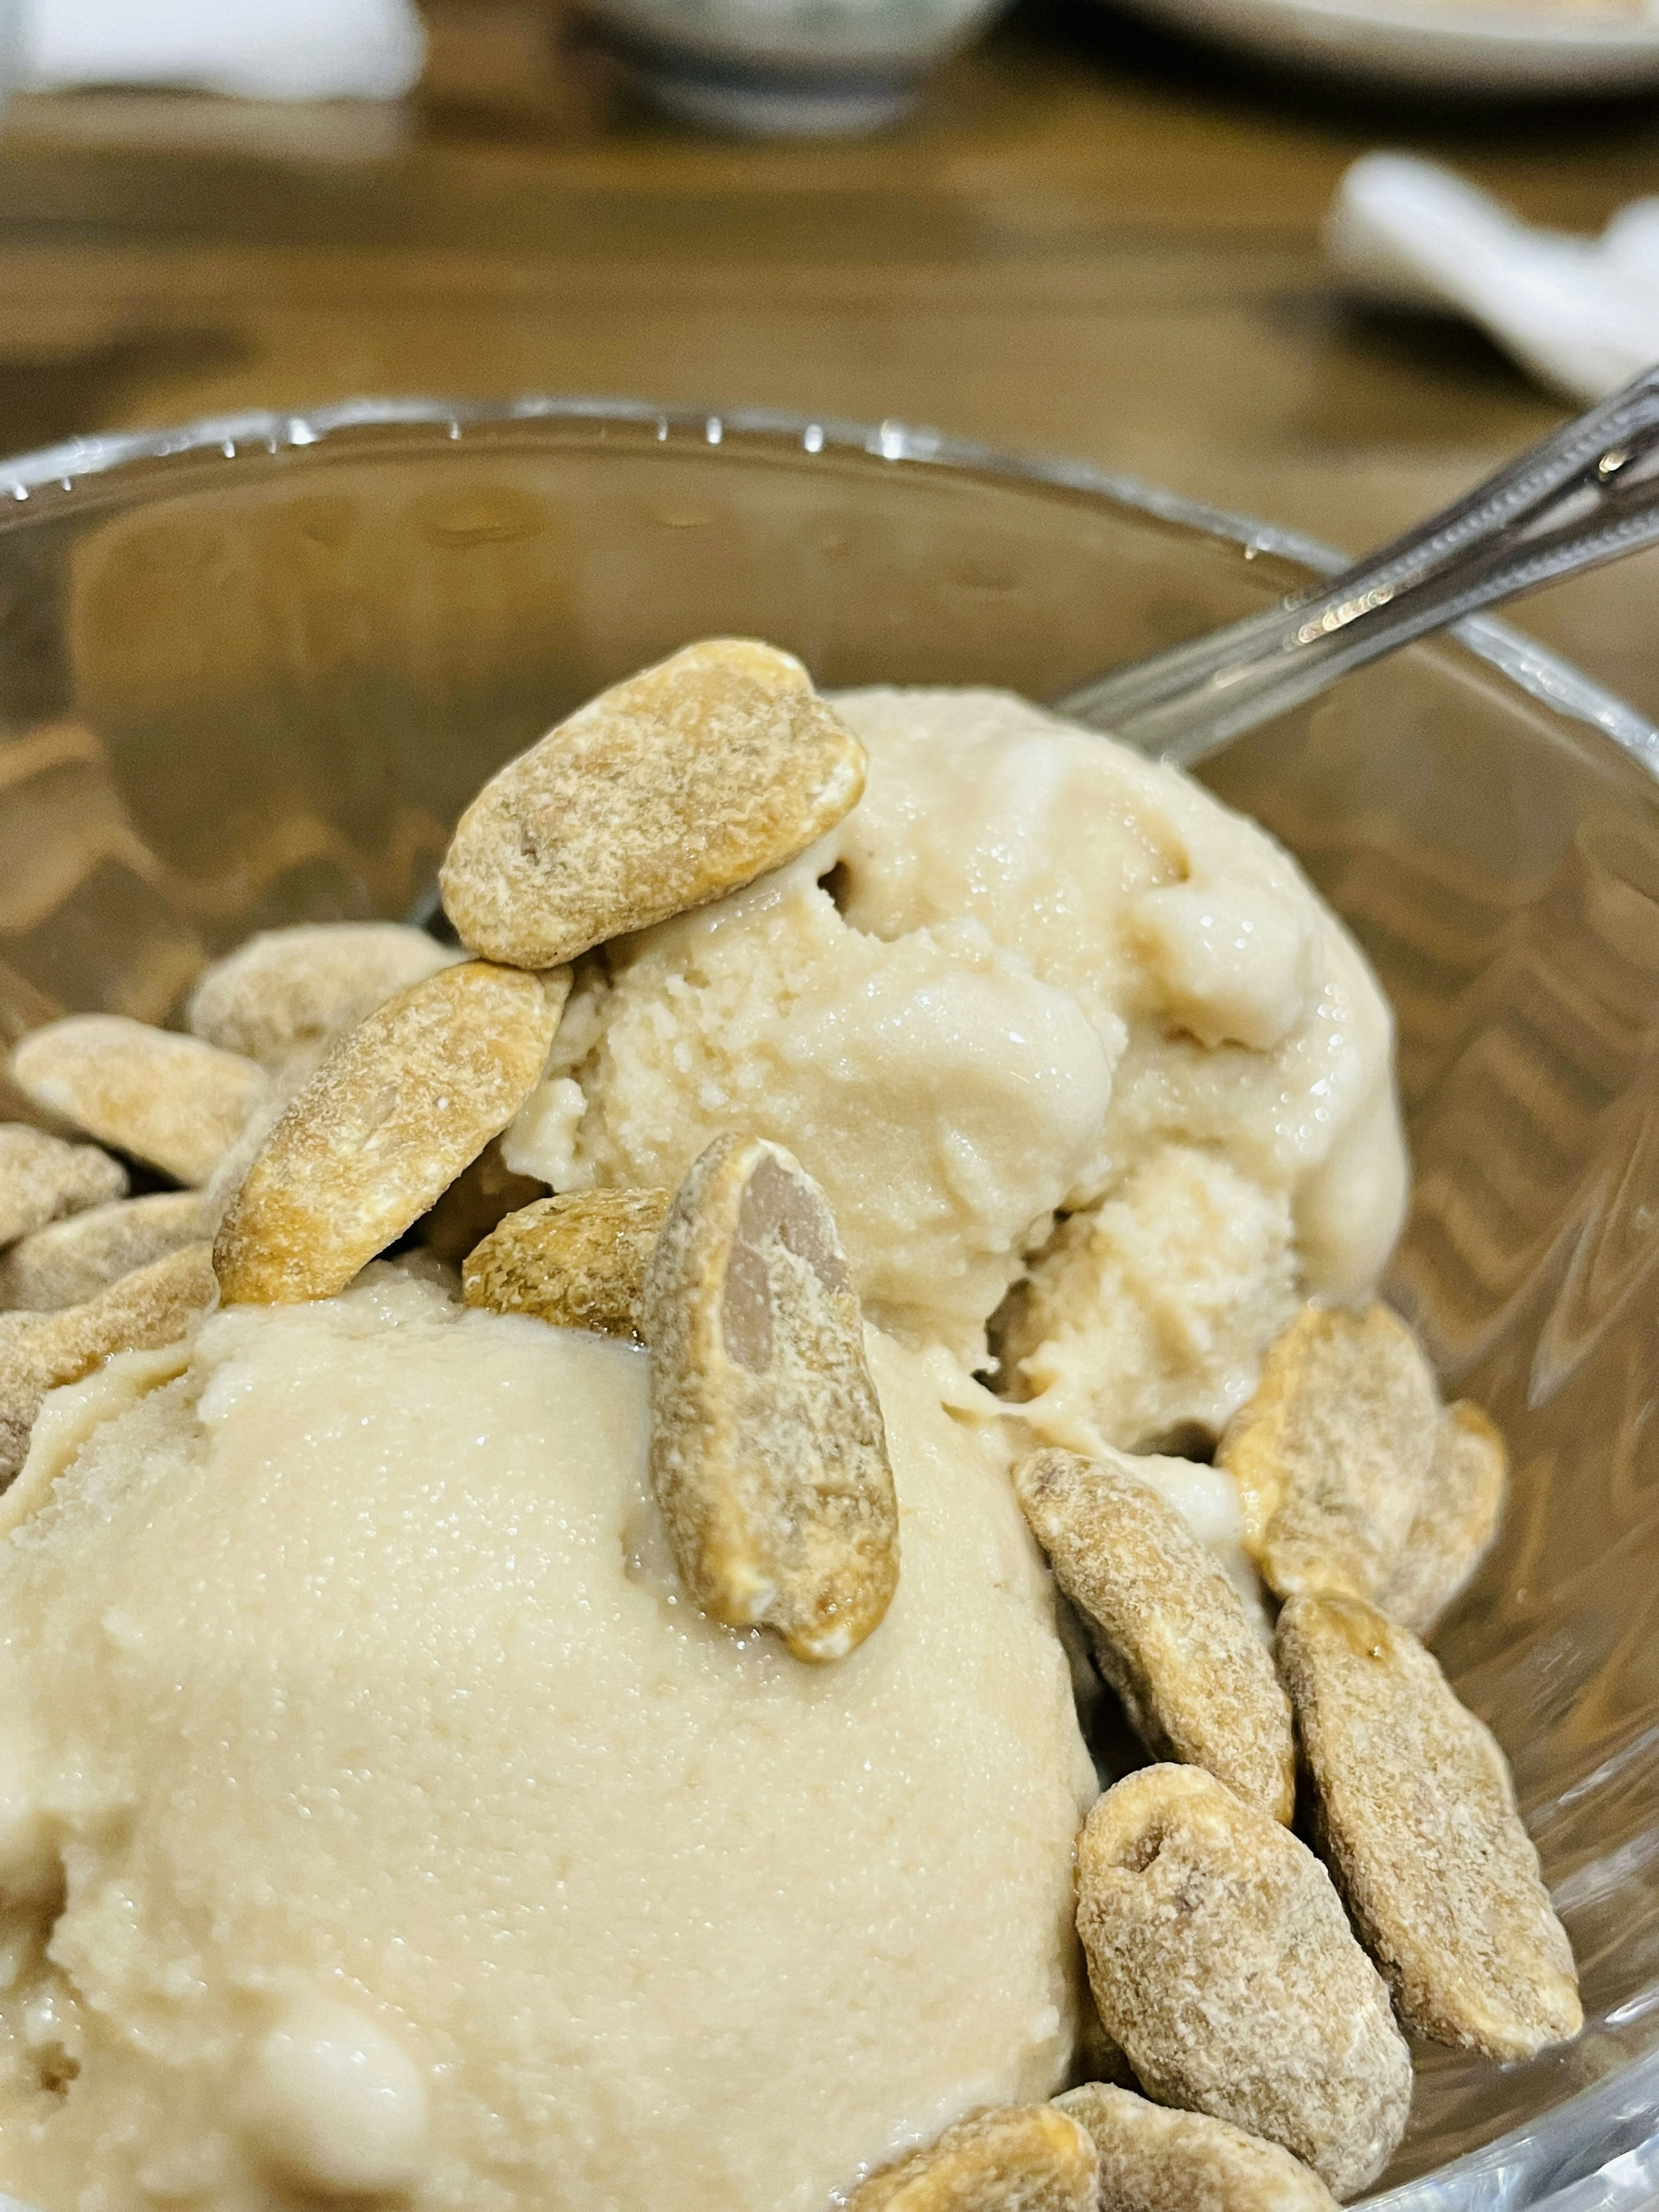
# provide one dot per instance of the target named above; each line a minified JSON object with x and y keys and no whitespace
{"x":1466,"y":45}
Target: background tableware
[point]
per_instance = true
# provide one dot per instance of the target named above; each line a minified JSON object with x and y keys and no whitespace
{"x":1505,"y":49}
{"x":785,"y":67}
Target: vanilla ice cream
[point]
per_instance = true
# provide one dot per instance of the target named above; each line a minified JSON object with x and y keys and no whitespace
{"x":375,"y":1814}
{"x":378,"y":1817}
{"x":1038,"y":1012}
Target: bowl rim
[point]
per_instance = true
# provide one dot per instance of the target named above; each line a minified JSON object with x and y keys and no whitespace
{"x":1598,"y":2149}
{"x":60,"y":472}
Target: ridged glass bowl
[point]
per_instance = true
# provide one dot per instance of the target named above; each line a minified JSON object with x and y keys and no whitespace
{"x":250,"y":671}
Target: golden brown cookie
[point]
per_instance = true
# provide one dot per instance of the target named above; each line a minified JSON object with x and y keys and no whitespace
{"x":42,"y":1178}
{"x":768,"y":1458}
{"x":1169,"y":1630}
{"x":1415,"y":1813}
{"x":73,"y":1260}
{"x":1154,"y":2159}
{"x":302,"y":989}
{"x":1331,"y":1453}
{"x":171,"y":1101}
{"x":666,"y":792}
{"x":1221,"y":1959}
{"x":152,"y":1306}
{"x":387,"y":1122}
{"x":1463,"y":1504}
{"x":1017,"y":2158}
{"x":577,"y":1261}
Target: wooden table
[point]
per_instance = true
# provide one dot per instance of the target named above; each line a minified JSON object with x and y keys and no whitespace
{"x":1087,"y":242}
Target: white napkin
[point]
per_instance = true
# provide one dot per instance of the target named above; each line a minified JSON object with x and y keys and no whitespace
{"x":1582,"y":314}
{"x":251,"y":49}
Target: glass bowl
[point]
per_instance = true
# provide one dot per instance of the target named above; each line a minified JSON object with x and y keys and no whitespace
{"x":250,"y":672}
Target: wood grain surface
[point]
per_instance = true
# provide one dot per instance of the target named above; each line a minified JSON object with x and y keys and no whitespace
{"x":1088,"y":241}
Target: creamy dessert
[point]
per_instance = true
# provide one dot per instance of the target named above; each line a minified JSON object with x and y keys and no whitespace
{"x":1030,"y":974}
{"x":528,"y":1674}
{"x":420,"y":1836}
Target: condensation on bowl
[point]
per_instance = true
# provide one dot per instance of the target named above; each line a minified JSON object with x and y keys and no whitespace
{"x":250,"y":671}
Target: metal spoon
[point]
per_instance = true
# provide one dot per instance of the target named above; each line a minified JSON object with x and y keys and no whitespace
{"x":1588,"y":492}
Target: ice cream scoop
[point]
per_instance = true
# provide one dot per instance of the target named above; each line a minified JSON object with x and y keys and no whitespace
{"x":401,"y":1827}
{"x":1030,"y":976}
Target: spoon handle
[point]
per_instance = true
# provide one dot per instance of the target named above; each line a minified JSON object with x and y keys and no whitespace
{"x":1587,"y":493}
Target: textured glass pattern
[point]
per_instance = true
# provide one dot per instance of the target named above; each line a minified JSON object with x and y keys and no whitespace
{"x":249,"y":674}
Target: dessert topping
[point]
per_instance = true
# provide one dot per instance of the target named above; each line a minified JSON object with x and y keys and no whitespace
{"x":42,"y":1177}
{"x":387,"y":1122}
{"x":768,"y":1459}
{"x":146,"y":1309}
{"x":1017,"y":2158}
{"x":1222,"y":1961}
{"x":72,"y":1260}
{"x":1415,"y":1812}
{"x":666,"y":792}
{"x":1154,"y":2160}
{"x":1168,"y":1629}
{"x":1462,"y":1500}
{"x":301,"y":990}
{"x":577,"y":1261}
{"x":171,"y":1101}
{"x":1331,"y":1453}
